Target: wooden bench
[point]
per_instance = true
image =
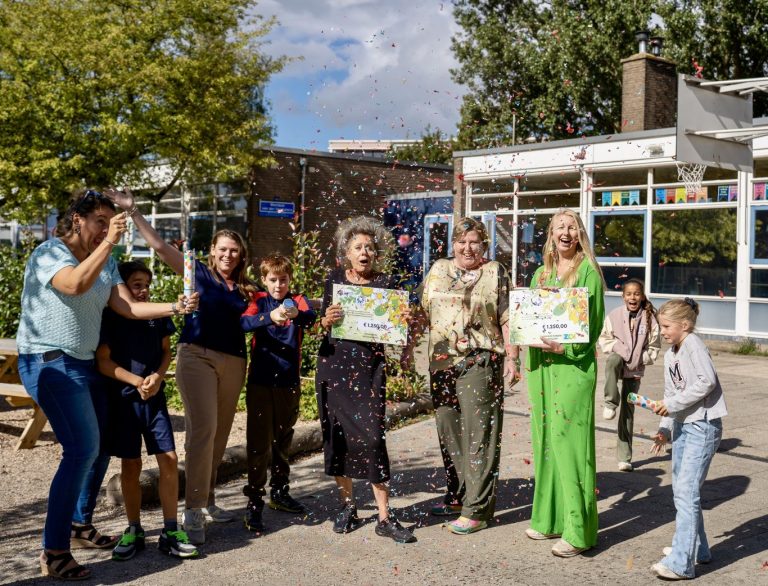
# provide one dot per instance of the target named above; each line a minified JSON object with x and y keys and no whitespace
{"x":17,"y":396}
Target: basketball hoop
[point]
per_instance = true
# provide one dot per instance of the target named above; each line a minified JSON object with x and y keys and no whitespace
{"x":691,"y":175}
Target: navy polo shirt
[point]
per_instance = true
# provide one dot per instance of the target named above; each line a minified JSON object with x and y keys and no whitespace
{"x":276,"y":350}
{"x":134,"y":344}
{"x":216,"y":323}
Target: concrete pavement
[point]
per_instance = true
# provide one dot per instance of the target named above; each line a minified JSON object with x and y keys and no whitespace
{"x":636,"y":514}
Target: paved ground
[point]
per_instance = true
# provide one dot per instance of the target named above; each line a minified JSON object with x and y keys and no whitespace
{"x":636,"y":515}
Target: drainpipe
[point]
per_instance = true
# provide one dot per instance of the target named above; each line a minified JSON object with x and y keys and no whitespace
{"x":303,"y":165}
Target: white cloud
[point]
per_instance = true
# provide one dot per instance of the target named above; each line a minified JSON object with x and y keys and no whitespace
{"x":380,"y":67}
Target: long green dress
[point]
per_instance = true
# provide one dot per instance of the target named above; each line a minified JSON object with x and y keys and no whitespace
{"x":561,"y":389}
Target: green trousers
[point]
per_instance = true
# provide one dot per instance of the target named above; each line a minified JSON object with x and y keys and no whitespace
{"x":614,"y":365}
{"x":562,"y":397}
{"x":468,"y":403}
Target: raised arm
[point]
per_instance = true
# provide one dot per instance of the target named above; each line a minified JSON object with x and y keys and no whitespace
{"x":121,"y":301}
{"x":170,"y":255}
{"x":76,"y":280}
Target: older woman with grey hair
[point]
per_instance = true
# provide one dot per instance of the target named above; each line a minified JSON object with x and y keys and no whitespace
{"x":351,"y":382}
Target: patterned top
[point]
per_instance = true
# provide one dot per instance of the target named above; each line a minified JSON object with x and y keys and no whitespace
{"x":466,"y":309}
{"x":52,"y":320}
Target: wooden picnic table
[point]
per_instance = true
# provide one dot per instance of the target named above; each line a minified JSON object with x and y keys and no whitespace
{"x":16,"y":394}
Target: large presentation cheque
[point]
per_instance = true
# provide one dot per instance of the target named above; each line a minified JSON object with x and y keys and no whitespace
{"x":371,"y":314}
{"x":561,"y":315}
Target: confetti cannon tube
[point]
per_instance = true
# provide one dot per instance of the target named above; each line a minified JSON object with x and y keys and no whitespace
{"x":189,"y":270}
{"x":642,"y":401}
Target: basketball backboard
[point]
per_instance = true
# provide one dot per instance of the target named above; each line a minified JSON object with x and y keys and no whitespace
{"x":714,"y":122}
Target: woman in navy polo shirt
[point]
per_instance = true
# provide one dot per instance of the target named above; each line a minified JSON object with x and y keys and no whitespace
{"x":210,"y":362}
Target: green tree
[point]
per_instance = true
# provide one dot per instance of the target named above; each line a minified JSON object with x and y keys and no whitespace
{"x":98,"y":93}
{"x":552,"y":69}
{"x":432,"y":148}
{"x":726,"y":38}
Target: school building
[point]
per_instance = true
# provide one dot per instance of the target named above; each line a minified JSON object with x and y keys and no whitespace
{"x":711,"y":245}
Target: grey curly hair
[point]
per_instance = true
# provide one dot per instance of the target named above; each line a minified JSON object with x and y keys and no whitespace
{"x":382,"y":238}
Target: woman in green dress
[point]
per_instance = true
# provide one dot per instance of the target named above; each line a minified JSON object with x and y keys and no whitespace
{"x":561,"y":388}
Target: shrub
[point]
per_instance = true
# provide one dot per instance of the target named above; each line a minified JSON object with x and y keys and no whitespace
{"x":13,"y":261}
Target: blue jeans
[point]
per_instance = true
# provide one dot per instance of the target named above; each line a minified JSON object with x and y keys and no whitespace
{"x":693,"y":446}
{"x":62,"y":388}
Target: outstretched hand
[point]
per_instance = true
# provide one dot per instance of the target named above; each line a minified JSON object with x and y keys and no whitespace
{"x":123,"y":199}
{"x":188,"y":304}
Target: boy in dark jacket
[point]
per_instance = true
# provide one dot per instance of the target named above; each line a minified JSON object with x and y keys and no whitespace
{"x":277,"y":319}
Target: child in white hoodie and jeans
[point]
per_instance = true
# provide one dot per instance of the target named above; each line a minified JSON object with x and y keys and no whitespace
{"x":692,"y":412}
{"x":630,"y":337}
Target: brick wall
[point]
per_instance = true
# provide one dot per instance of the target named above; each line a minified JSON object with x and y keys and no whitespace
{"x":336,"y":187}
{"x":649,"y":93}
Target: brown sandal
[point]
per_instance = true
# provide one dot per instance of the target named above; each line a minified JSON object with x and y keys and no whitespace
{"x":63,"y":566}
{"x":88,"y":537}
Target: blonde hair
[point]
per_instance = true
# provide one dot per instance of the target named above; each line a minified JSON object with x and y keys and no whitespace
{"x":383,"y":241}
{"x":239,"y":275}
{"x":466,"y":225}
{"x":583,"y":251}
{"x":680,"y":311}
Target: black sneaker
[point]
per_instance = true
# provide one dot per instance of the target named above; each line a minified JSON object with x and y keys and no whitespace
{"x":131,"y":542}
{"x":347,"y":519}
{"x":281,"y":500}
{"x":252,"y":517}
{"x":176,"y":543}
{"x":390,"y":527}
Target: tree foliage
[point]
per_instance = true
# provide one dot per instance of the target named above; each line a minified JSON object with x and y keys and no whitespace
{"x":433,"y":147}
{"x":97,"y":93}
{"x":552,"y":69}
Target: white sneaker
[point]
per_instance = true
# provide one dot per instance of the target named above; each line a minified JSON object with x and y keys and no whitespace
{"x":625,"y":467}
{"x":536,"y":536}
{"x":563,"y":549}
{"x":663,"y":571}
{"x":218,"y":515}
{"x":194,"y":525}
{"x":609,"y":413}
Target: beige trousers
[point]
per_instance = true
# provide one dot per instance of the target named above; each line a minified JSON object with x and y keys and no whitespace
{"x":209,"y":384}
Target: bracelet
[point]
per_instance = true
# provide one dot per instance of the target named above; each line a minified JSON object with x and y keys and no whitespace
{"x":110,"y":242}
{"x":174,"y":308}
{"x":132,"y":211}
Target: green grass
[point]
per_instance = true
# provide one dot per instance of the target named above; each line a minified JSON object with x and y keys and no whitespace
{"x":750,"y":347}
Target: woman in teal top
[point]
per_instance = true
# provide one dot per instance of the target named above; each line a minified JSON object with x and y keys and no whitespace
{"x":561,"y":389}
{"x":68,"y":281}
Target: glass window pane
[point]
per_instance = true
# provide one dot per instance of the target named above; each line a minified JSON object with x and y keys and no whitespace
{"x":759,"y":283}
{"x":548,"y":182}
{"x":694,"y":252}
{"x":438,"y":241}
{"x":169,"y":205}
{"x":618,"y":178}
{"x":531,"y":236}
{"x":669,"y":174}
{"x":234,"y":223}
{"x":619,"y":197}
{"x":760,"y":234}
{"x":560,"y":200}
{"x":169,"y":229}
{"x":615,"y":276}
{"x":619,"y":235}
{"x":761,"y":167}
{"x":494,"y":186}
{"x":200,"y":232}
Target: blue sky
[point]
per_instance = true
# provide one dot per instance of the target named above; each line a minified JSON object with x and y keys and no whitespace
{"x":369,"y":70}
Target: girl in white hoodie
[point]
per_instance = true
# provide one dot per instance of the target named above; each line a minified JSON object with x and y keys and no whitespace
{"x":630,"y":337}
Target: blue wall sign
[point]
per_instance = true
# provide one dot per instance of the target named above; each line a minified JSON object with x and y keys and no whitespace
{"x":277,"y":209}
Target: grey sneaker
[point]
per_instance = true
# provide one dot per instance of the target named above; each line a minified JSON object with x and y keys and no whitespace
{"x":217,"y":514}
{"x":176,"y":543}
{"x":194,"y":525}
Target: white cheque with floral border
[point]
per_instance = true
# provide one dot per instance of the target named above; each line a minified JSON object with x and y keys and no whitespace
{"x":561,"y":315}
{"x":371,"y":314}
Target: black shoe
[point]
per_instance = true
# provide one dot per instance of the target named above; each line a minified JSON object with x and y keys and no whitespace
{"x":252,"y":517}
{"x":347,"y":520}
{"x":390,"y":527}
{"x":281,"y":500}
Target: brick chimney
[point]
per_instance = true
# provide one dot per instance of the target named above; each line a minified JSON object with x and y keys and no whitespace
{"x":649,"y":88}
